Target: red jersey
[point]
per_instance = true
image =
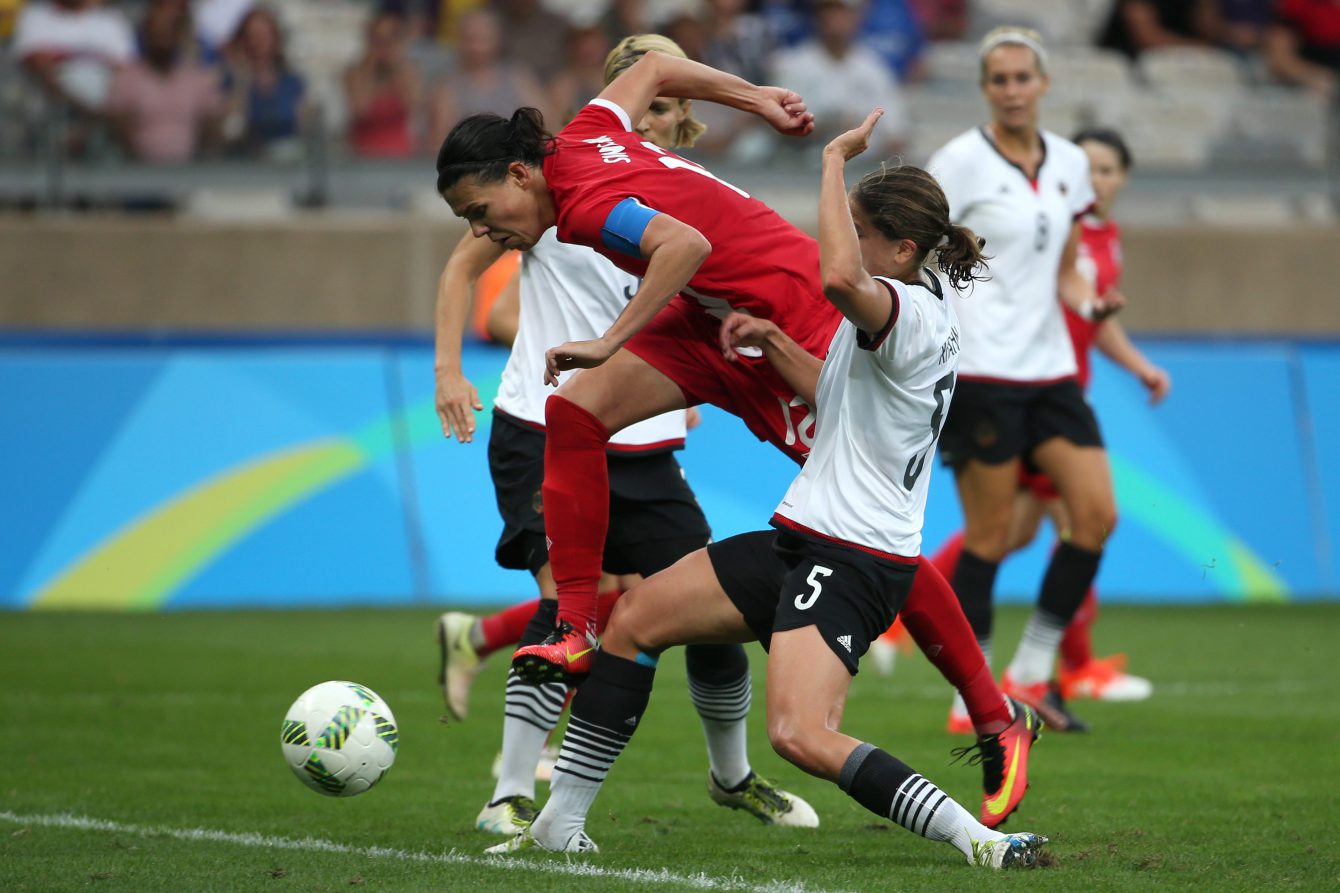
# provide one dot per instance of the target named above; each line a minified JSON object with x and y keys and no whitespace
{"x":759,"y":263}
{"x":1099,"y":262}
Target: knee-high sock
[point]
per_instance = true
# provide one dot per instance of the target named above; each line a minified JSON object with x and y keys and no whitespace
{"x":946,"y":557}
{"x":576,"y":496}
{"x":1077,"y":643}
{"x":1068,"y":578}
{"x":506,"y":627}
{"x":891,"y":789}
{"x":936,"y":622}
{"x":721,"y":690}
{"x":605,"y":607}
{"x":605,"y":714}
{"x":530,"y":713}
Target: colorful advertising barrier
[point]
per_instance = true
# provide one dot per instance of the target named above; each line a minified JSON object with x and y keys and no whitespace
{"x":193,"y":474}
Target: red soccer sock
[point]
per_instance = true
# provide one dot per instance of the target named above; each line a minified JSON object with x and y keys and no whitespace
{"x":505,"y":627}
{"x":946,"y":559}
{"x":605,"y":607}
{"x":1077,"y":643}
{"x":934,"y":618}
{"x":576,"y":495}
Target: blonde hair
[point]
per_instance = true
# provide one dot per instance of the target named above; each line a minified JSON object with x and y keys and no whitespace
{"x":1013,"y":35}
{"x":634,"y":47}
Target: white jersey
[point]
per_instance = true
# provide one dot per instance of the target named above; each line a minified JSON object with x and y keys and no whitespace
{"x":1013,"y":327}
{"x":882,"y":399}
{"x":571,"y":293}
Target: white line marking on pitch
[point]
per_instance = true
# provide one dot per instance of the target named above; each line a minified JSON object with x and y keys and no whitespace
{"x":309,"y":844}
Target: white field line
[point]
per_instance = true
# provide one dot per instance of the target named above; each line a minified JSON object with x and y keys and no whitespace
{"x":568,"y":867}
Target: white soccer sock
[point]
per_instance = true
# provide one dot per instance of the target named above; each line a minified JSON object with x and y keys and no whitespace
{"x":1037,"y":649}
{"x":922,"y":808}
{"x":722,"y":709}
{"x":531,"y":714}
{"x":564,"y":814}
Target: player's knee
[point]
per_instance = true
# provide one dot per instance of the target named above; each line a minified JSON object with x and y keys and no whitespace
{"x":1093,"y":524}
{"x":788,"y":737}
{"x":632,"y":627}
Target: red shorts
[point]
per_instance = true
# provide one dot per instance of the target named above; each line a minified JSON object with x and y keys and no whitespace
{"x":1038,"y":484}
{"x":681,"y":343}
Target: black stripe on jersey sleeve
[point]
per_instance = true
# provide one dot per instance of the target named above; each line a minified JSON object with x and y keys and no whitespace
{"x":866,"y":341}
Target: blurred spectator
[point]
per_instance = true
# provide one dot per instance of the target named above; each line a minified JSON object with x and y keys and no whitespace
{"x":737,"y":41}
{"x":481,"y":81}
{"x":942,"y":19}
{"x":841,"y":80}
{"x":892,"y":28}
{"x":1302,"y":46}
{"x":165,"y":105}
{"x":266,"y":96}
{"x":532,"y":35}
{"x":217,"y":22}
{"x":1242,"y":24}
{"x":72,"y":47}
{"x":382,"y":90}
{"x":583,"y":77}
{"x":625,"y":17}
{"x":1139,"y":25}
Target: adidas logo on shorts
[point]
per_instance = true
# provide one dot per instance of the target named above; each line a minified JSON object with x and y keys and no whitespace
{"x":845,"y":642}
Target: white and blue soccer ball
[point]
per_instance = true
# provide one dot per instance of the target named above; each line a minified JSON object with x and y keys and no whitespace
{"x":339,"y":738}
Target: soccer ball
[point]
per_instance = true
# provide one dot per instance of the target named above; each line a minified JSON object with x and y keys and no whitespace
{"x":339,"y":738}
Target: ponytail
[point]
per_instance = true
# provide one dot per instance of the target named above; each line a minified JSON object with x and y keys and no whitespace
{"x":960,"y":256}
{"x":484,"y":145}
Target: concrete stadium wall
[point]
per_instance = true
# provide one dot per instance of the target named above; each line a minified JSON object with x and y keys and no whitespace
{"x":379,"y":272}
{"x":141,"y":475}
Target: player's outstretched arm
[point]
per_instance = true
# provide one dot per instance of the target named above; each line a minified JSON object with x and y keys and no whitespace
{"x":797,"y":366}
{"x":846,"y":283}
{"x":456,"y":398}
{"x":657,"y":74}
{"x":1076,"y":290}
{"x":1112,"y":340}
{"x":674,"y":251}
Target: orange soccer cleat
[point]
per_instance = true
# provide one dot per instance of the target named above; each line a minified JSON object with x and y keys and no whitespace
{"x":1104,"y":679}
{"x":1004,"y":760}
{"x":564,"y":656}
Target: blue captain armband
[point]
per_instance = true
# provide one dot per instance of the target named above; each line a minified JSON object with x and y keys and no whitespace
{"x":623,"y":228}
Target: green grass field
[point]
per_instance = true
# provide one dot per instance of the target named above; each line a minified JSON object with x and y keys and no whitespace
{"x":141,"y":753}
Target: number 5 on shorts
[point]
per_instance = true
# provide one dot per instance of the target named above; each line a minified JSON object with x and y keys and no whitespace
{"x":803,"y":602}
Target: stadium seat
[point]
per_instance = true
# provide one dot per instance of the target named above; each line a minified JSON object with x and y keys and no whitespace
{"x":1190,"y":68}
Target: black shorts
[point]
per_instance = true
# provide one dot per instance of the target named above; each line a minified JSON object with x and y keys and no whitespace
{"x":781,"y":580}
{"x":994,"y":423}
{"x":654,"y":517}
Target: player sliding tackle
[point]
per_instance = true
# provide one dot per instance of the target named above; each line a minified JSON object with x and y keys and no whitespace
{"x":703,"y":249}
{"x":845,"y":548}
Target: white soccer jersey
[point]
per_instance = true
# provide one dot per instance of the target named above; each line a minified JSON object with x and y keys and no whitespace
{"x":1013,"y":328}
{"x":570,"y":293}
{"x":882,"y":400}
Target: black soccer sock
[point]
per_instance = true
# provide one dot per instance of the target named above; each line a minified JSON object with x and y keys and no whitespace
{"x":974,"y":582}
{"x":540,"y":625}
{"x":605,"y":713}
{"x":1069,"y":576}
{"x":721,"y":690}
{"x":891,"y":789}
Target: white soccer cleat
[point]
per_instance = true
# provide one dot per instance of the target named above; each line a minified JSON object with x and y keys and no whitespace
{"x":578,"y":844}
{"x":1104,"y":679}
{"x":544,"y":769}
{"x":765,"y":801}
{"x":883,"y":654}
{"x":509,"y":815}
{"x":1008,"y":851}
{"x":460,"y":661}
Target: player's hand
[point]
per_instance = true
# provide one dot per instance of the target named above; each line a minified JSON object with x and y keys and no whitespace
{"x":785,"y":111}
{"x":457,"y":402}
{"x":692,"y":418}
{"x":1157,"y":381}
{"x":1110,"y":304}
{"x":575,"y":355}
{"x":743,"y":330}
{"x":856,"y":140}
